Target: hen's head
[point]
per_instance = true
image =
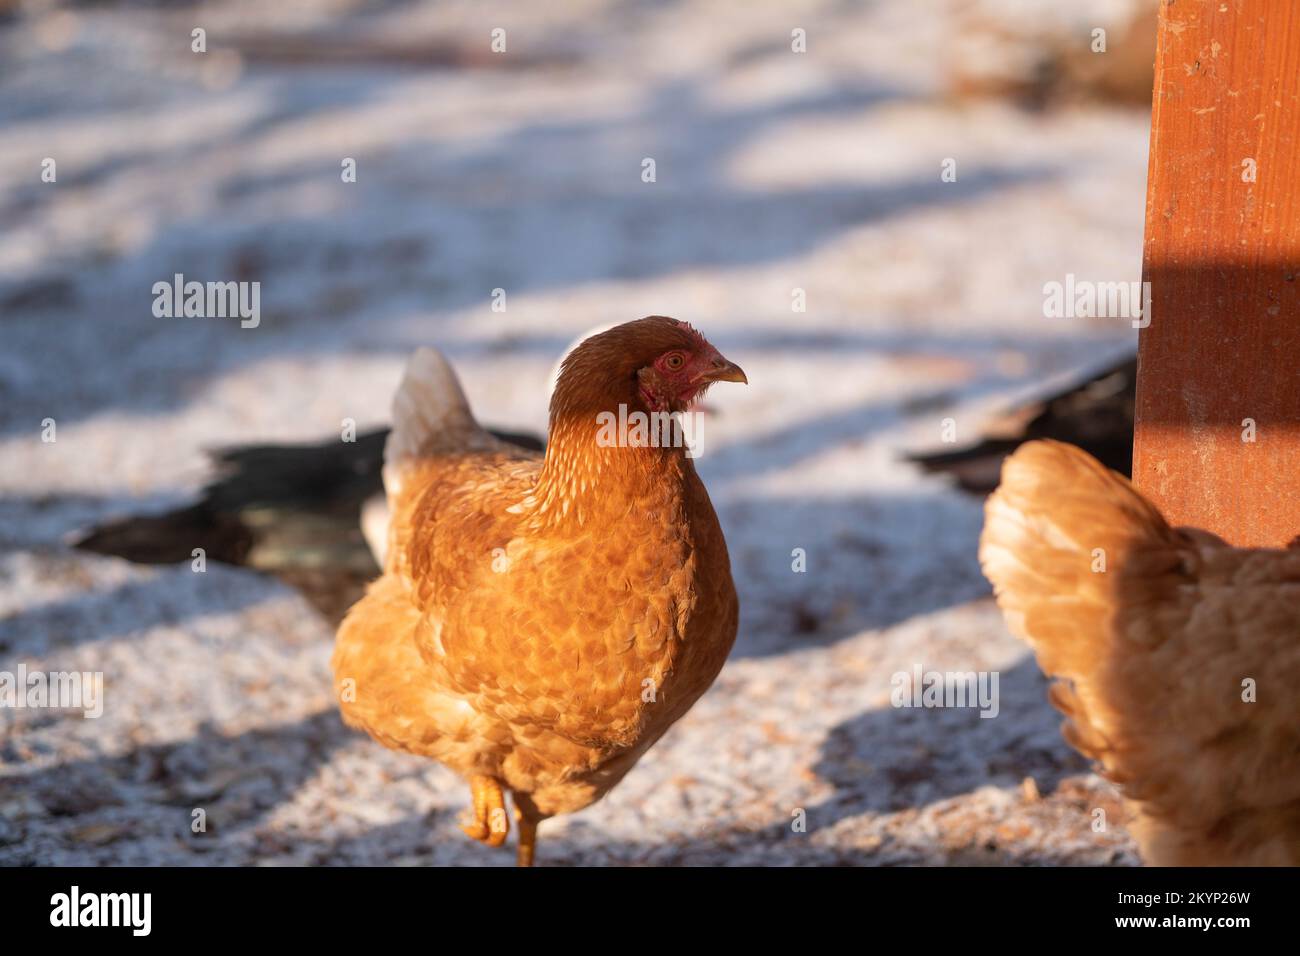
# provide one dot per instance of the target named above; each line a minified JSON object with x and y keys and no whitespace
{"x":655,"y":364}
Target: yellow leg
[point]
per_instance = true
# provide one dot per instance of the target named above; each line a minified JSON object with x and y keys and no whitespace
{"x":489,"y":824}
{"x":527,"y":816}
{"x":527,"y":836}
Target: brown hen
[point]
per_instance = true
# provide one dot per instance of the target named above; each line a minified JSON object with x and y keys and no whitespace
{"x":1177,"y":656}
{"x":542,"y":621}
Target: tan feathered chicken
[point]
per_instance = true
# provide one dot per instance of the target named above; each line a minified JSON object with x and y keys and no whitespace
{"x":1153,"y":655}
{"x":542,"y":621}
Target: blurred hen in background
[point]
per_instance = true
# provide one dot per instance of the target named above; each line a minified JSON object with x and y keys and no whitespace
{"x":1156,"y":637}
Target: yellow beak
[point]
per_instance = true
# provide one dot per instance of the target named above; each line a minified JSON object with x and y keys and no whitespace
{"x":724,"y":371}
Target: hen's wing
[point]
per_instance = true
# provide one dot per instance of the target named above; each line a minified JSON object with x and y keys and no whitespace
{"x":1153,"y":632}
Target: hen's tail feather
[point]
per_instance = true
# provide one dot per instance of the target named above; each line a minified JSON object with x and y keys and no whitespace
{"x":431,"y":416}
{"x":1069,"y":545}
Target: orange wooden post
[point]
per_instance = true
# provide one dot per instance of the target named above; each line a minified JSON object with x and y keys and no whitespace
{"x":1222,"y":254}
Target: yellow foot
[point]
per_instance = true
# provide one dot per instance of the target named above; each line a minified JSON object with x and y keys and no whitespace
{"x":489,"y":823}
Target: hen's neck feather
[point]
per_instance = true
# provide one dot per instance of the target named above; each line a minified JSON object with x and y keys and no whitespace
{"x":581,"y":480}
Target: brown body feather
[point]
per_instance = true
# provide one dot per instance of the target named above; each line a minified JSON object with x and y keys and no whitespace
{"x":1151,"y":654}
{"x":539,"y":621}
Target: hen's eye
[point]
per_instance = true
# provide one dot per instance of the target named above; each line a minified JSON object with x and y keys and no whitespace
{"x":674,"y":361}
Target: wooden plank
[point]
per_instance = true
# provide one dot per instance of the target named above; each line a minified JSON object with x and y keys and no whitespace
{"x":1222,"y":255}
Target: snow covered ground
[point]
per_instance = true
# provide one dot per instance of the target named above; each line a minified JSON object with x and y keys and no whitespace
{"x":522,"y":171}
